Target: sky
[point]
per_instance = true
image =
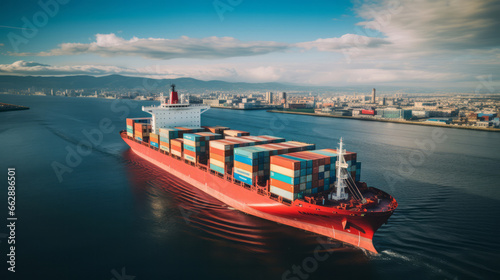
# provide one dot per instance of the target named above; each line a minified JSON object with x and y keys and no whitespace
{"x":399,"y":43}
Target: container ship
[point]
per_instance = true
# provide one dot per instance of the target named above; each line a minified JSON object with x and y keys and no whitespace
{"x":288,"y":182}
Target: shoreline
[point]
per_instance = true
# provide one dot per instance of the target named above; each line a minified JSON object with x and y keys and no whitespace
{"x":390,"y":121}
{"x":5,"y":107}
{"x":234,"y":108}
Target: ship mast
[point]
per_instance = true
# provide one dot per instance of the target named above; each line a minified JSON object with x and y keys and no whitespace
{"x":341,"y":176}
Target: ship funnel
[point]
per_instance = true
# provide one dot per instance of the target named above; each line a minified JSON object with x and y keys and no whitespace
{"x":174,"y":98}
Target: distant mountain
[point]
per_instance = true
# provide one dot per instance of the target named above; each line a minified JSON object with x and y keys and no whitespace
{"x":126,"y":83}
{"x":118,"y":82}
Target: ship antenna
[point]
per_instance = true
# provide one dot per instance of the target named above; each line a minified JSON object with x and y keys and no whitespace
{"x":341,"y":177}
{"x":344,"y":179}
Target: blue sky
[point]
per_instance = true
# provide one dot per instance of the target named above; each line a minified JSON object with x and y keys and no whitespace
{"x":337,"y":43}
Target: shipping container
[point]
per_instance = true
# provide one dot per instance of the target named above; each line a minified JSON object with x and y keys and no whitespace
{"x":236,"y":133}
{"x":225,"y":148}
{"x":196,"y":146}
{"x":177,"y":147}
{"x":305,"y":172}
{"x":256,"y":159}
{"x":216,"y":129}
{"x":142,"y":130}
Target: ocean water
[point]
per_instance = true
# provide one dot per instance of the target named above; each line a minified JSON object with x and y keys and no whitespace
{"x":89,"y":208}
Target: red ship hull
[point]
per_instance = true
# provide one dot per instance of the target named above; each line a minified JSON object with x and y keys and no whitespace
{"x":354,"y":228}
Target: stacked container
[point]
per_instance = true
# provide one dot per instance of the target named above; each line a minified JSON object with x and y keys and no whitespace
{"x":196,"y":146}
{"x":132,"y":121}
{"x":221,"y":151}
{"x":183,"y":130}
{"x":177,"y":147}
{"x":236,"y":133}
{"x":216,"y":129}
{"x":154,"y":140}
{"x":351,"y":160}
{"x":142,"y":131}
{"x":261,"y":139}
{"x":295,"y":175}
{"x":167,"y":134}
{"x":253,"y":162}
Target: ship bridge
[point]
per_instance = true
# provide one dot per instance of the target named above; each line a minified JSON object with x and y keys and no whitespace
{"x":174,"y":114}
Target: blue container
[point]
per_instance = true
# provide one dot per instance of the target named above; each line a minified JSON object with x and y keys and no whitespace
{"x":243,"y":160}
{"x":309,"y":164}
{"x":191,"y":148}
{"x":303,"y":172}
{"x":190,"y":158}
{"x":309,"y":171}
{"x":192,"y":137}
{"x":138,"y":138}
{"x":321,"y":175}
{"x":284,"y":178}
{"x":130,"y":130}
{"x":242,"y":178}
{"x":308,"y":185}
{"x":154,"y":144}
{"x":315,"y":190}
{"x":327,"y":167}
{"x":217,"y":168}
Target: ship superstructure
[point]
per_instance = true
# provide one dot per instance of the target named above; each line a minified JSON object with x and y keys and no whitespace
{"x":174,"y":113}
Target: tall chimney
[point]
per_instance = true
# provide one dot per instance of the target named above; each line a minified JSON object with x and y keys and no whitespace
{"x":174,"y":99}
{"x":373,"y":95}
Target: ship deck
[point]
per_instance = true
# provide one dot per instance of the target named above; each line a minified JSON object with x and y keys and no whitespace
{"x":384,"y":203}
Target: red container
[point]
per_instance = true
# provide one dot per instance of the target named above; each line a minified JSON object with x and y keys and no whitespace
{"x":154,"y":137}
{"x":285,"y":186}
{"x":164,"y":144}
{"x":368,"y":112}
{"x":190,"y":153}
{"x":217,"y":157}
{"x":246,"y":167}
{"x":285,"y":162}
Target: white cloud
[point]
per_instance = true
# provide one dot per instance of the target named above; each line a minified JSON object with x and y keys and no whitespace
{"x":34,"y":68}
{"x":419,"y":42}
{"x":158,"y":48}
{"x":444,"y":25}
{"x":344,"y":42}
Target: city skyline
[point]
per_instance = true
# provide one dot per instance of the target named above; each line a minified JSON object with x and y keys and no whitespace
{"x":389,"y":43}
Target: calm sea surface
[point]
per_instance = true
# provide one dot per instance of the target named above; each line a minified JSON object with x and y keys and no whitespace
{"x":108,"y":214}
